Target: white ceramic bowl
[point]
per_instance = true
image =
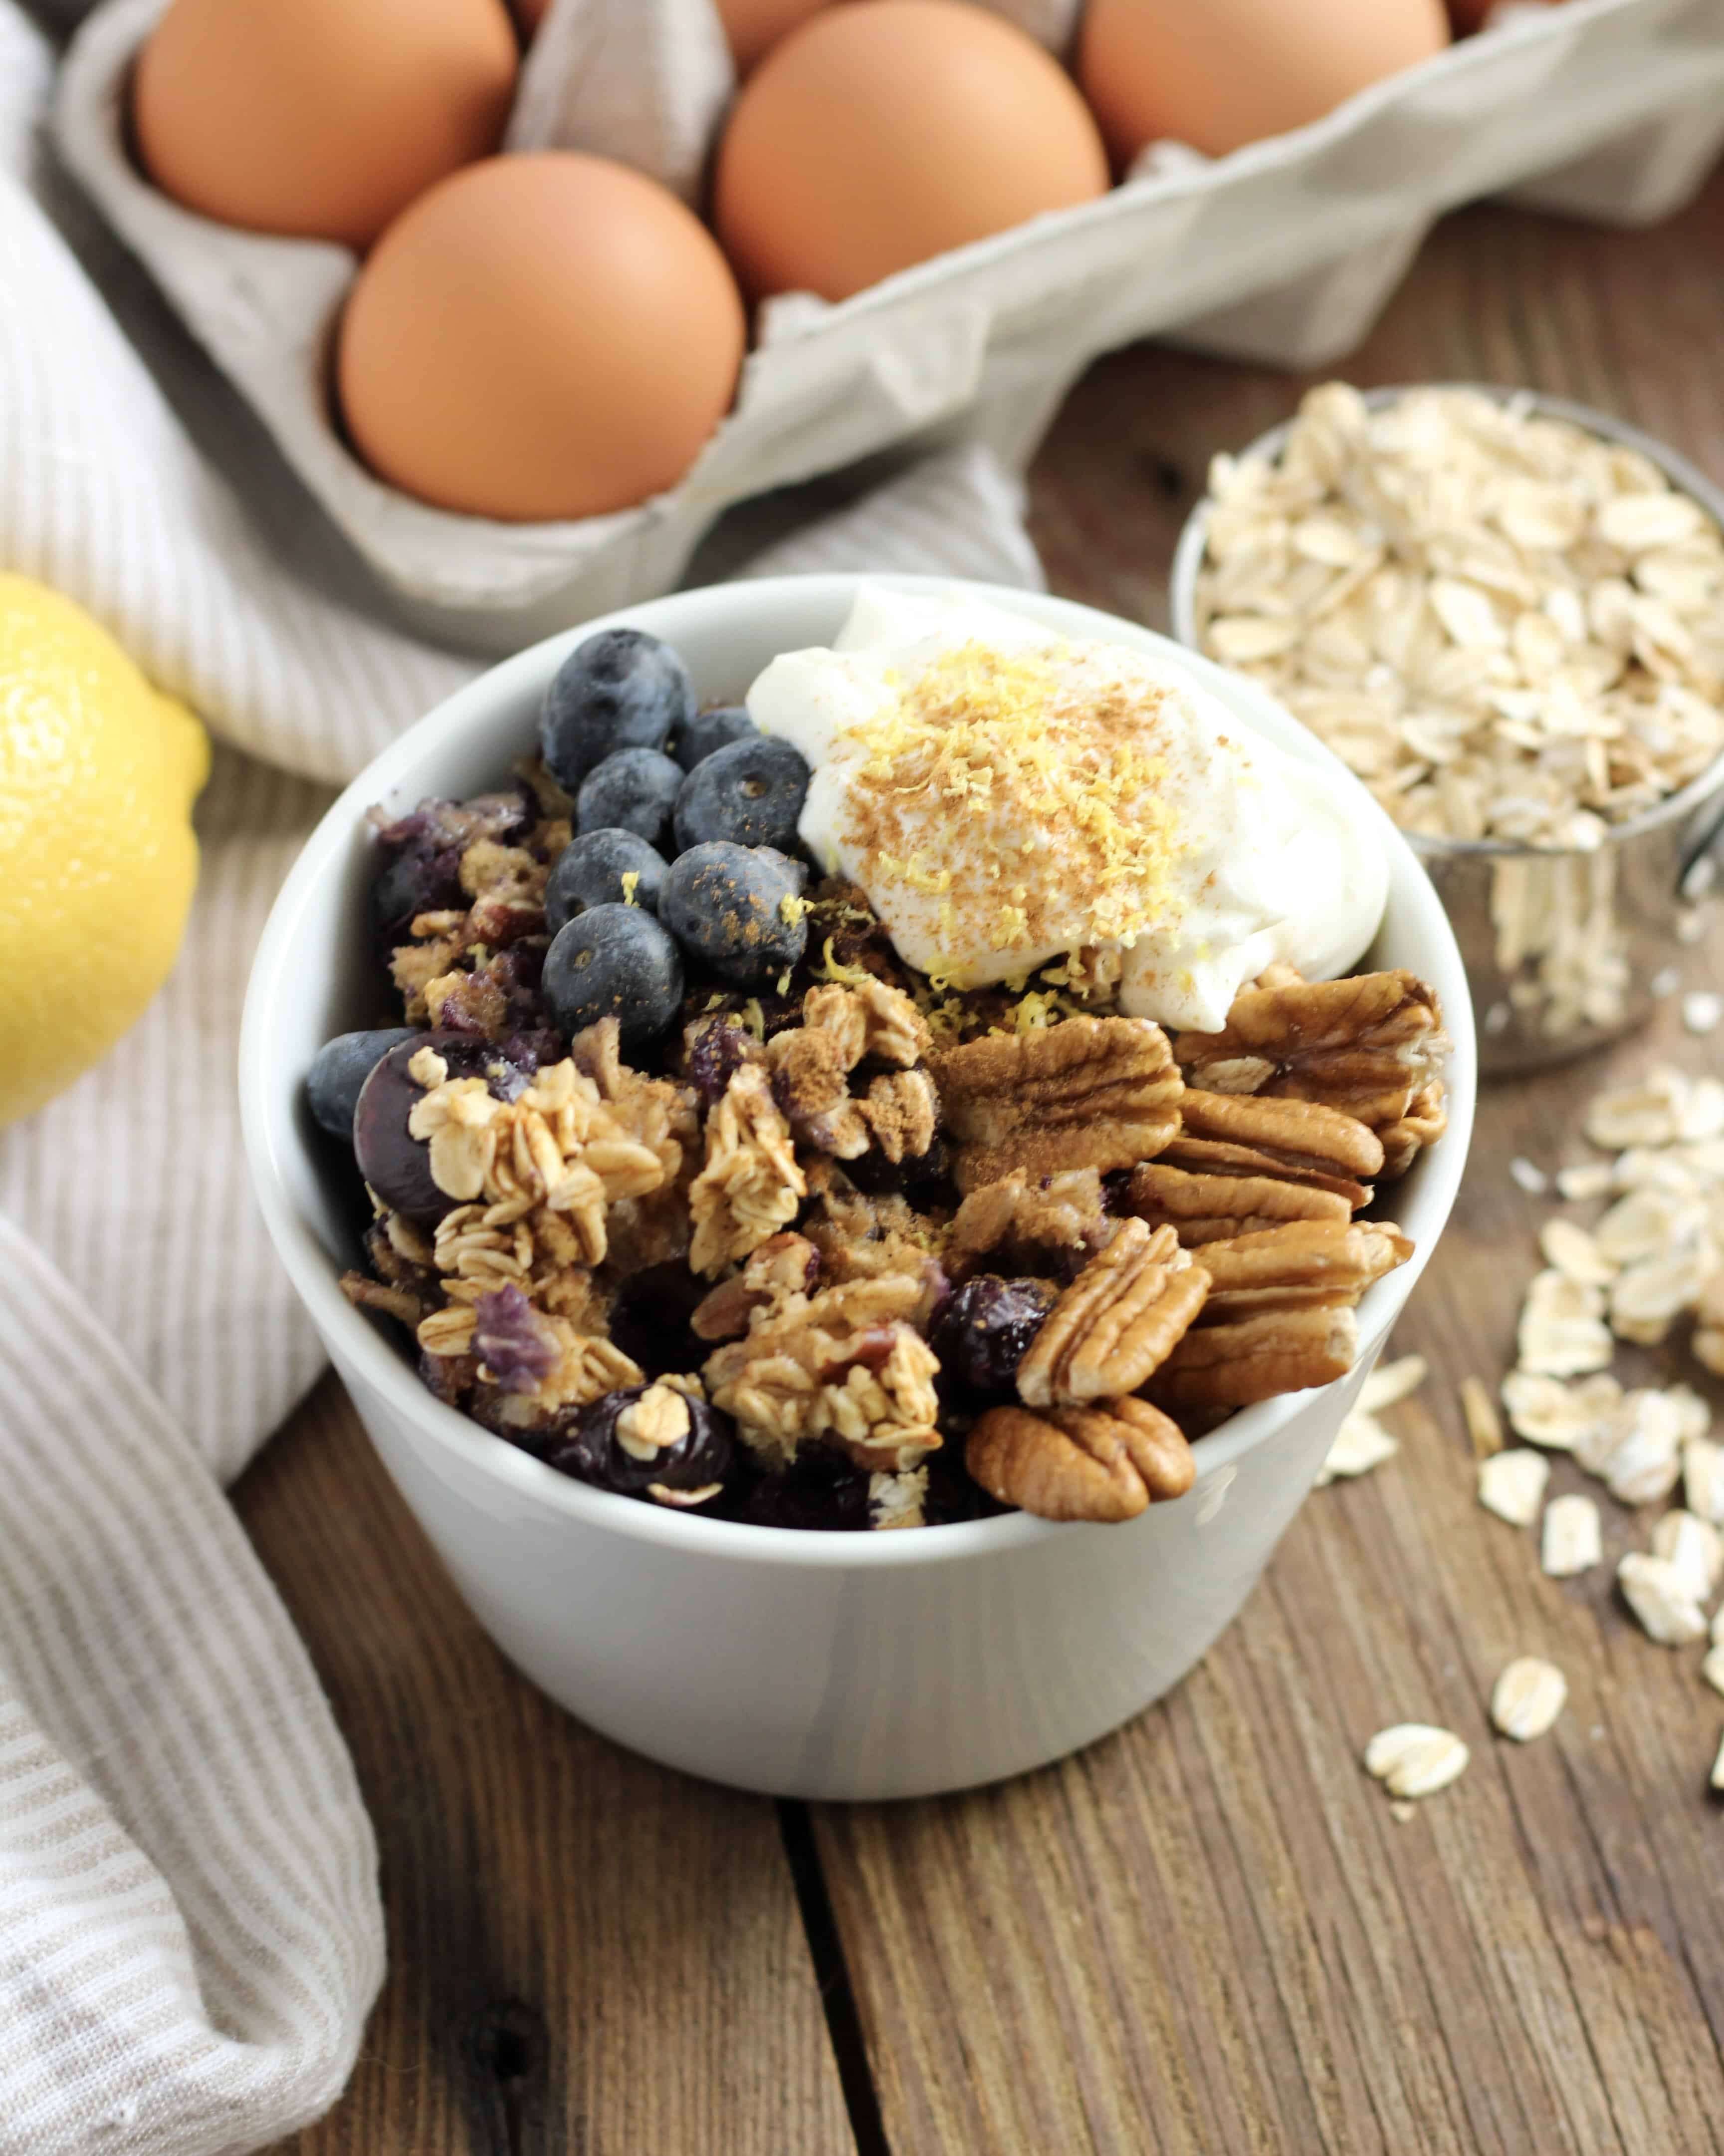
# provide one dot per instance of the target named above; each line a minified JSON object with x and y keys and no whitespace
{"x":800,"y":1664}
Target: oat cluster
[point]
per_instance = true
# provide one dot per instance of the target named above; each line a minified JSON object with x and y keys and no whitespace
{"x":1509,"y":628}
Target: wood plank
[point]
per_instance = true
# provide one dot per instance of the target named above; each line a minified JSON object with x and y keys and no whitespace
{"x":587,"y":1953}
{"x":1210,"y":1933}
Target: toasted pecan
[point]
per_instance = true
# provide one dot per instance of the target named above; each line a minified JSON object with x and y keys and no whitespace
{"x":1116,"y":1323}
{"x":1258,"y":1357}
{"x":1371,"y":1045}
{"x":1209,"y":1209}
{"x":1094,"y":1092}
{"x":1106,"y":1463}
{"x":1305,"y":1263}
{"x":1297,"y":1141}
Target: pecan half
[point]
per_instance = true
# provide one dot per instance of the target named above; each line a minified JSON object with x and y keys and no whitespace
{"x":1371,"y":1045}
{"x":751,"y":1186}
{"x":1308,"y":1262}
{"x":1117,"y":1322}
{"x":1093,"y":1092}
{"x":1210,"y":1208}
{"x":1106,"y":1463}
{"x":1296,"y":1141}
{"x":1273,"y":1352}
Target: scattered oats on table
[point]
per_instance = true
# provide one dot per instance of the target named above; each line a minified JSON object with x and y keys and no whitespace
{"x":1511,"y":1485}
{"x":1694,"y":1548}
{"x":1660,"y":1597}
{"x":1571,"y":1542}
{"x":1415,"y":1759}
{"x":1484,"y":1426}
{"x":1527,"y":1698}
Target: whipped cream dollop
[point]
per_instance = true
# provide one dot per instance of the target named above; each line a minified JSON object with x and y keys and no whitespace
{"x":1015,"y":802}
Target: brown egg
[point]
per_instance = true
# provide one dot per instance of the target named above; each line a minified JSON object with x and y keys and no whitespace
{"x":885,"y":131}
{"x":754,"y":27}
{"x":539,"y":337}
{"x":320,"y":118}
{"x":1228,"y":72}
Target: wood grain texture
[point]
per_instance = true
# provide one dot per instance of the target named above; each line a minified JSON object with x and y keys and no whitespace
{"x":1210,"y":1933}
{"x":588,"y":1954}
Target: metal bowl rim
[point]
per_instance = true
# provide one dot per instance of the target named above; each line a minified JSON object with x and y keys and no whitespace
{"x":1189,"y":555}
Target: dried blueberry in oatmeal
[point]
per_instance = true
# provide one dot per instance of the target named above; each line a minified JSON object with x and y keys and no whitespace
{"x":393,"y":1161}
{"x":514,"y":1346}
{"x":596,"y":868}
{"x":750,"y":794}
{"x":621,"y":689}
{"x":634,"y":790}
{"x":708,"y":731}
{"x":340,"y":1069}
{"x":985,"y":1330}
{"x":613,"y":962}
{"x":652,"y":1441}
{"x":736,"y":909}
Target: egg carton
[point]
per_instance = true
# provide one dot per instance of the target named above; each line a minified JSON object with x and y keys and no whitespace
{"x":1284,"y":252}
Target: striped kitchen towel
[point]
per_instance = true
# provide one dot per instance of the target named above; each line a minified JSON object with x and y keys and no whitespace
{"x":190,"y":1932}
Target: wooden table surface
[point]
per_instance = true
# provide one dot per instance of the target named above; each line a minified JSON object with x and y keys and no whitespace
{"x":1209,"y":1932}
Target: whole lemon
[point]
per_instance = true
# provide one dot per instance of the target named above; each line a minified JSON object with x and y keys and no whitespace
{"x":98,"y":774}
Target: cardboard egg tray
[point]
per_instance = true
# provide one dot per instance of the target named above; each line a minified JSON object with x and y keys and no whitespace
{"x":1284,"y":252}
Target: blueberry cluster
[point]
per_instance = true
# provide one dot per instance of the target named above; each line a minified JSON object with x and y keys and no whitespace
{"x":685,"y":845}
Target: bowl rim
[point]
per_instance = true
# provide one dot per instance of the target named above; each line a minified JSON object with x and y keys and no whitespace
{"x":1688,"y":478}
{"x":354,"y":1340}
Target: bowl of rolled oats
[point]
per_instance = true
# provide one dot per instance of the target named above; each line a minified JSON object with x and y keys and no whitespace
{"x":854,"y":1142}
{"x":1504,"y":613}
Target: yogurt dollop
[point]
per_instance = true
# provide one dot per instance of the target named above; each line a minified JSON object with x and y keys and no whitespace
{"x":1012,"y":801}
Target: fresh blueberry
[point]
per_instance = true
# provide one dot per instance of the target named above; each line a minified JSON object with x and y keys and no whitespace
{"x":678,"y":1442}
{"x":590,"y":870}
{"x":735,"y":911}
{"x":634,"y":790}
{"x":619,"y":690}
{"x":708,"y":731}
{"x":749,"y":794}
{"x":985,"y":1330}
{"x":613,"y":962}
{"x":395,"y":1164}
{"x":339,"y":1069}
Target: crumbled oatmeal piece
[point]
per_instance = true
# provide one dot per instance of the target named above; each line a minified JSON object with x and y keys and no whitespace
{"x":1361,"y":1444}
{"x":751,"y":1184}
{"x":1020,"y":1226}
{"x":1571,"y":1541}
{"x":1511,"y":1485}
{"x":1391,"y":1383}
{"x":1415,"y":1759}
{"x":1527,"y":1697}
{"x":1662,"y":1599}
{"x":1693,"y":1546}
{"x":1563,"y":1332}
{"x":1484,"y":1427}
{"x":843,"y":1366}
